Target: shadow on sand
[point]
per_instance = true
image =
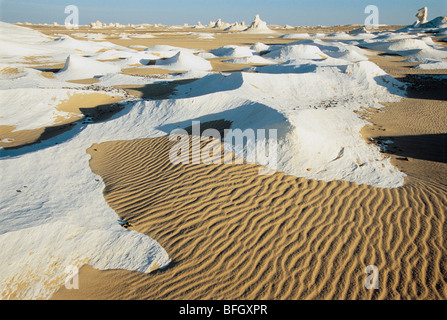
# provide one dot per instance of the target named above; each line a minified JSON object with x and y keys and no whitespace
{"x":430,"y":147}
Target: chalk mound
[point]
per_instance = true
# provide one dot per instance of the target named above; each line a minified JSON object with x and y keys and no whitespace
{"x":337,"y":49}
{"x":141,"y":35}
{"x":295,"y":36}
{"x":166,"y":48}
{"x":439,"y":22}
{"x":232,"y":51}
{"x":68,"y":44}
{"x":236,"y":27}
{"x":77,"y":67}
{"x":259,"y":47}
{"x":184,"y":61}
{"x":391,"y":36}
{"x":202,"y":35}
{"x":407,"y":44}
{"x":298,"y":51}
{"x":16,"y":41}
{"x":252,"y":60}
{"x":416,"y":50}
{"x":310,"y":58}
{"x":358,"y":31}
{"x":433,"y":65}
{"x":165,"y":51}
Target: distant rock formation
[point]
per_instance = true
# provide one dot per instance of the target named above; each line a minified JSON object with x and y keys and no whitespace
{"x":236,"y":27}
{"x":422,"y":16}
{"x":358,"y":31}
{"x":96,"y":25}
{"x":438,"y":22}
{"x":221,"y":25}
{"x":259,"y":26}
{"x":199,"y":25}
{"x":258,"y":23}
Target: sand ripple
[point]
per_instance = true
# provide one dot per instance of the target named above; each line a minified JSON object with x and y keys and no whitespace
{"x":233,"y":234}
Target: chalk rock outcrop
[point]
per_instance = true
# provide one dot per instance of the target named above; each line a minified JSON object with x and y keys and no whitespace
{"x":259,"y":26}
{"x":422,"y":16}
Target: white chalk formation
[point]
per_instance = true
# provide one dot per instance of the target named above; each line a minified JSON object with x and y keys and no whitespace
{"x":100,"y":25}
{"x":219,"y":24}
{"x":422,"y":22}
{"x":97,"y":25}
{"x":361,"y":30}
{"x":199,"y":25}
{"x":422,"y":16}
{"x":236,"y":27}
{"x":259,"y":26}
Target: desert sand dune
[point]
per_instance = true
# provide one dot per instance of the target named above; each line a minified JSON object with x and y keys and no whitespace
{"x":233,"y":234}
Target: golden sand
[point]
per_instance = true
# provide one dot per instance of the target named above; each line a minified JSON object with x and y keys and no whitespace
{"x":9,"y":71}
{"x":234,"y":234}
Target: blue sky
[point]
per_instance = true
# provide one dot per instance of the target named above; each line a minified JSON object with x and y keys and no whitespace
{"x":292,"y":12}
